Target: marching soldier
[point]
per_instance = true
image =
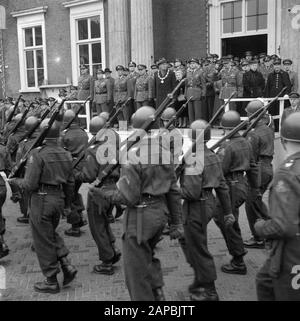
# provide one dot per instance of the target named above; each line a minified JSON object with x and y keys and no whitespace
{"x":287,"y":63}
{"x":150,"y":193}
{"x":277,"y":279}
{"x":98,"y":209}
{"x":143,"y":91}
{"x":49,"y":179}
{"x":195,"y":86}
{"x":262,"y":141}
{"x":237,"y":162}
{"x":102,"y":92}
{"x":75,"y":140}
{"x":295,"y":106}
{"x":197,"y":185}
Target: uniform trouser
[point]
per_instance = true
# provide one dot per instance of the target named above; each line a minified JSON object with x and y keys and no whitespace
{"x":197,"y":215}
{"x":45,"y":212}
{"x":232,"y":235}
{"x":142,"y":230}
{"x":256,"y":209}
{"x":3,"y":191}
{"x":102,"y":107}
{"x":209,"y":107}
{"x":100,"y":227}
{"x":77,"y":206}
{"x":196,"y":110}
{"x":24,"y":202}
{"x":126,"y":112}
{"x":275,"y":289}
{"x":274,"y":111}
{"x":140,"y":104}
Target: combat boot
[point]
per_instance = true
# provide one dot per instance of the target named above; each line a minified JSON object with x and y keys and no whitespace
{"x":252,"y":243}
{"x":104,"y":268}
{"x":236,"y":266}
{"x":23,"y":219}
{"x":207,"y":293}
{"x":73,"y":231}
{"x":158,"y":294}
{"x":68,"y":269}
{"x":50,"y":285}
{"x":4,"y":250}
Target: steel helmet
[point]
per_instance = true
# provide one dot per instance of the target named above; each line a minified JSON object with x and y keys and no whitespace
{"x":18,"y":117}
{"x":31,"y":122}
{"x":96,"y":124}
{"x":68,"y":116}
{"x":168,"y":114}
{"x":196,"y":128}
{"x":230,"y":119}
{"x":290,"y":129}
{"x":104,"y":115}
{"x":142,"y":115}
{"x":254,"y":106}
{"x":54,"y":131}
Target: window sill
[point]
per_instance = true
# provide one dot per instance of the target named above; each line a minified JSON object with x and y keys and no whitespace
{"x":55,"y":86}
{"x":29,"y":90}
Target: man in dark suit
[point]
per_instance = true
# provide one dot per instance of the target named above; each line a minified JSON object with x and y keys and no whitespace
{"x":253,"y":80}
{"x":277,"y":80}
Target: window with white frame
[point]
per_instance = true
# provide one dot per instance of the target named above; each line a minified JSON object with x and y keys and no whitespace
{"x":32,"y":48}
{"x":232,"y":16}
{"x":257,"y":14}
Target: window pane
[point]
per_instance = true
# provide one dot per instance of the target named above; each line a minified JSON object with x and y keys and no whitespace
{"x":40,"y":73}
{"x":84,"y":54}
{"x":29,"y":59}
{"x":251,"y":8}
{"x":237,"y":25}
{"x":227,"y":10}
{"x":251,"y":23}
{"x":237,"y":9}
{"x":95,"y":27}
{"x":96,"y":52}
{"x":262,"y":6}
{"x":263,"y":21}
{"x":30,"y":78}
{"x":82,"y":29}
{"x":38,"y":36}
{"x":39,"y":59}
{"x":28,"y":37}
{"x":227,"y":26}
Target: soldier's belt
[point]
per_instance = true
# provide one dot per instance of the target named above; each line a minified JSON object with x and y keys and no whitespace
{"x":101,"y":93}
{"x":148,"y":199}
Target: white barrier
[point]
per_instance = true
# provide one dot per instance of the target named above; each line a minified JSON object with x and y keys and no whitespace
{"x":86,"y":112}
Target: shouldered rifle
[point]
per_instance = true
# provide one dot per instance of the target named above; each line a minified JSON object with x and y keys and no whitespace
{"x":115,"y":108}
{"x":115,"y":112}
{"x":107,"y":125}
{"x":77,"y":113}
{"x":179,"y":112}
{"x":145,"y":128}
{"x":11,"y":115}
{"x":180,"y":167}
{"x":18,"y":124}
{"x":246,"y":122}
{"x":38,"y":142}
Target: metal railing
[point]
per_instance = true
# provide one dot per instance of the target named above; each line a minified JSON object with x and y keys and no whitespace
{"x":86,"y":113}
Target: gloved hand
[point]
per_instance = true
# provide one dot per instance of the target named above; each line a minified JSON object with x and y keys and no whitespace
{"x":176,"y":231}
{"x":229,"y":220}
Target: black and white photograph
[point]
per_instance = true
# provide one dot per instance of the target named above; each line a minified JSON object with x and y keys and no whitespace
{"x":149,"y":152}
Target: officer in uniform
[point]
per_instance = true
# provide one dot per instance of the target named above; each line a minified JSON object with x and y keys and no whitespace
{"x":111,"y":80}
{"x":195,"y":85}
{"x":97,"y":208}
{"x":75,"y":140}
{"x":277,"y":279}
{"x":102,"y":92}
{"x":262,"y":141}
{"x":197,"y":181}
{"x":85,"y":83}
{"x":143,"y":91}
{"x":266,"y":68}
{"x":150,"y":192}
{"x":295,"y":106}
{"x":122,"y":91}
{"x":237,"y":160}
{"x":49,"y":178}
{"x":132,"y":77}
{"x":287,"y":63}
{"x":210,"y":77}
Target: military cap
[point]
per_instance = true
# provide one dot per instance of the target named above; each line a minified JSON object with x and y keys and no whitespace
{"x":245,"y":63}
{"x":294,"y":95}
{"x":62,"y":90}
{"x":262,"y":55}
{"x":230,"y":56}
{"x":107,"y":70}
{"x":120,"y":67}
{"x":84,"y":66}
{"x":277,"y":61}
{"x":131,"y":64}
{"x":141,"y":66}
{"x":248,"y":53}
{"x":267,"y":59}
{"x":73,"y":88}
{"x":287,"y":62}
{"x":226,"y":59}
{"x":253,"y":61}
{"x":215,"y":56}
{"x":209,"y":56}
{"x":51,"y":99}
{"x":154,"y":66}
{"x":161,"y":61}
{"x":274,"y":56}
{"x":194,"y":60}
{"x":100,"y":71}
{"x":236,"y":59}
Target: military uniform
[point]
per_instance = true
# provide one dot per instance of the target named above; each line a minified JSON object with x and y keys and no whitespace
{"x":266,"y":71}
{"x":210,"y":78}
{"x":143,"y":92}
{"x":132,"y":78}
{"x":13,"y":141}
{"x":229,"y":84}
{"x":274,"y":281}
{"x":75,"y":140}
{"x":121,"y":93}
{"x":294,"y":81}
{"x":288,"y":111}
{"x":102,"y":93}
{"x":195,"y":86}
{"x":262,"y":142}
{"x":85,"y":87}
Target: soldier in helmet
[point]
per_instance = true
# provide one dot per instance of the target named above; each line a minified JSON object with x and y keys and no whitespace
{"x":262,"y":141}
{"x":238,"y":164}
{"x":97,"y":207}
{"x":75,"y":140}
{"x":49,"y":178}
{"x":197,"y":181}
{"x":150,"y":192}
{"x":277,"y":279}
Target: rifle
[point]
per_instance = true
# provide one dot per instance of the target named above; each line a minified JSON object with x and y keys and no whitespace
{"x":180,"y":167}
{"x":77,"y":113}
{"x":16,"y":170}
{"x":245,"y":122}
{"x":179,"y":112}
{"x":11,"y":115}
{"x":115,"y":108}
{"x":93,"y":139}
{"x":145,"y":128}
